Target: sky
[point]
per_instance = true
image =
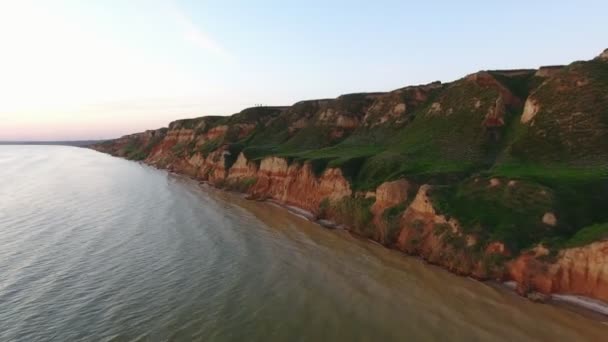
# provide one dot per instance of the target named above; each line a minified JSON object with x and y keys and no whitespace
{"x":96,"y":69}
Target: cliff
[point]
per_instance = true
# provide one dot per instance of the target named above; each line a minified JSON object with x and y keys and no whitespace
{"x":498,"y":175}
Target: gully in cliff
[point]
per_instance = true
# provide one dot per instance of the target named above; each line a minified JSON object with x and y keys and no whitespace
{"x":499,"y":175}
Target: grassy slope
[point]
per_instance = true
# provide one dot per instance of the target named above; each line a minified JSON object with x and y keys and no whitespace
{"x":565,"y":154}
{"x":560,"y":162}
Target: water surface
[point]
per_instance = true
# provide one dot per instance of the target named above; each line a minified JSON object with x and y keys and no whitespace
{"x":96,"y":248}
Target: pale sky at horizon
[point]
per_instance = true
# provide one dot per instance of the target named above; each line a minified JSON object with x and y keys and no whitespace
{"x":74,"y":70}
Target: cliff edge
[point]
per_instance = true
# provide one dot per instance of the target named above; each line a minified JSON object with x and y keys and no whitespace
{"x":498,"y":175}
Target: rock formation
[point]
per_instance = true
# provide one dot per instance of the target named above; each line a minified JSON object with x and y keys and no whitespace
{"x":499,"y":175}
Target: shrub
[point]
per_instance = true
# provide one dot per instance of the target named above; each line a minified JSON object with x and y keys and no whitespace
{"x":494,"y":263}
{"x":440,"y":228}
{"x":242,"y":185}
{"x":392,"y":217}
{"x":324,"y":207}
{"x":179,"y":149}
{"x":355,"y":213}
{"x":210,"y":146}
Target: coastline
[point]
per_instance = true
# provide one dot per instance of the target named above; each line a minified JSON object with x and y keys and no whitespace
{"x":586,"y":306}
{"x":388,"y":167}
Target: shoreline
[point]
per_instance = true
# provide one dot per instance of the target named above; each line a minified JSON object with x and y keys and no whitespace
{"x":483,"y":201}
{"x":588,"y":307}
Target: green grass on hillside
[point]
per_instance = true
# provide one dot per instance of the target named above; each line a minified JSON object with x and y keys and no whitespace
{"x":391,"y":217}
{"x":434,"y":146}
{"x":581,"y":191}
{"x":572,"y":122}
{"x":355,"y":213}
{"x":589,"y":234}
{"x":560,"y":162}
{"x":512,"y":214}
{"x":550,"y":173}
{"x":136,"y":150}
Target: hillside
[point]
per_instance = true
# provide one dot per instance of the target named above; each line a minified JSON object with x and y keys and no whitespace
{"x":500,"y":174}
{"x":77,"y":143}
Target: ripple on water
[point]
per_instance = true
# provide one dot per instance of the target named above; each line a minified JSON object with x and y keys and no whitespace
{"x":97,"y":248}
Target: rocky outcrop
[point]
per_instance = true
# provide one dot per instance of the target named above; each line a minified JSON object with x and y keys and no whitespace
{"x":397,"y":105}
{"x":548,"y":71}
{"x":550,"y":219}
{"x":531,"y":108}
{"x":397,"y":140}
{"x":214,"y":169}
{"x":242,"y":169}
{"x":180,"y":135}
{"x":297,"y":184}
{"x":390,"y":194}
{"x":438,"y":239}
{"x":603,"y":56}
{"x":216,"y":132}
{"x":387,"y":195}
{"x":580,"y":271}
{"x":495,"y":116}
{"x":422,"y":230}
{"x":485,"y":79}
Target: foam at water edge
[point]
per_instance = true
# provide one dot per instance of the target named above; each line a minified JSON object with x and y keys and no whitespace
{"x":587,"y":303}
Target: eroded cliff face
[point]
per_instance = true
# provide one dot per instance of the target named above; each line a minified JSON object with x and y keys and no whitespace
{"x":274,"y":178}
{"x":439,"y":240}
{"x":297,"y":184}
{"x":581,"y":271}
{"x":242,"y":169}
{"x":485,"y":79}
{"x":333,"y":158}
{"x":398,"y":105}
{"x":388,"y":195}
{"x":421,"y":230}
{"x":530,"y":109}
{"x":133,"y":146}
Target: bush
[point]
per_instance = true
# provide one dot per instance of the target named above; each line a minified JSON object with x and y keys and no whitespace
{"x":210,"y":146}
{"x":392,"y":218}
{"x":494,"y":263}
{"x":179,"y":149}
{"x":324,"y":207}
{"x":242,"y":185}
{"x":355,"y":213}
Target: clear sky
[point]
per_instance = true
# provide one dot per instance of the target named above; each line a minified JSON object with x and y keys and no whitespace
{"x":100,"y":69}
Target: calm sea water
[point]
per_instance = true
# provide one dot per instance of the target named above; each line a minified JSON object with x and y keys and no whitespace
{"x":95,"y":248}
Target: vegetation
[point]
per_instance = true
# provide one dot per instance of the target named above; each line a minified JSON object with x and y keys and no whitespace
{"x":588,"y":235}
{"x":209,"y":146}
{"x":241,"y":185}
{"x":137,"y":149}
{"x":324,"y":206}
{"x":572,"y":121}
{"x":557,"y":163}
{"x":392,"y":217}
{"x":180,"y":149}
{"x":355,"y":213}
{"x":509,"y":213}
{"x":494,"y":263}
